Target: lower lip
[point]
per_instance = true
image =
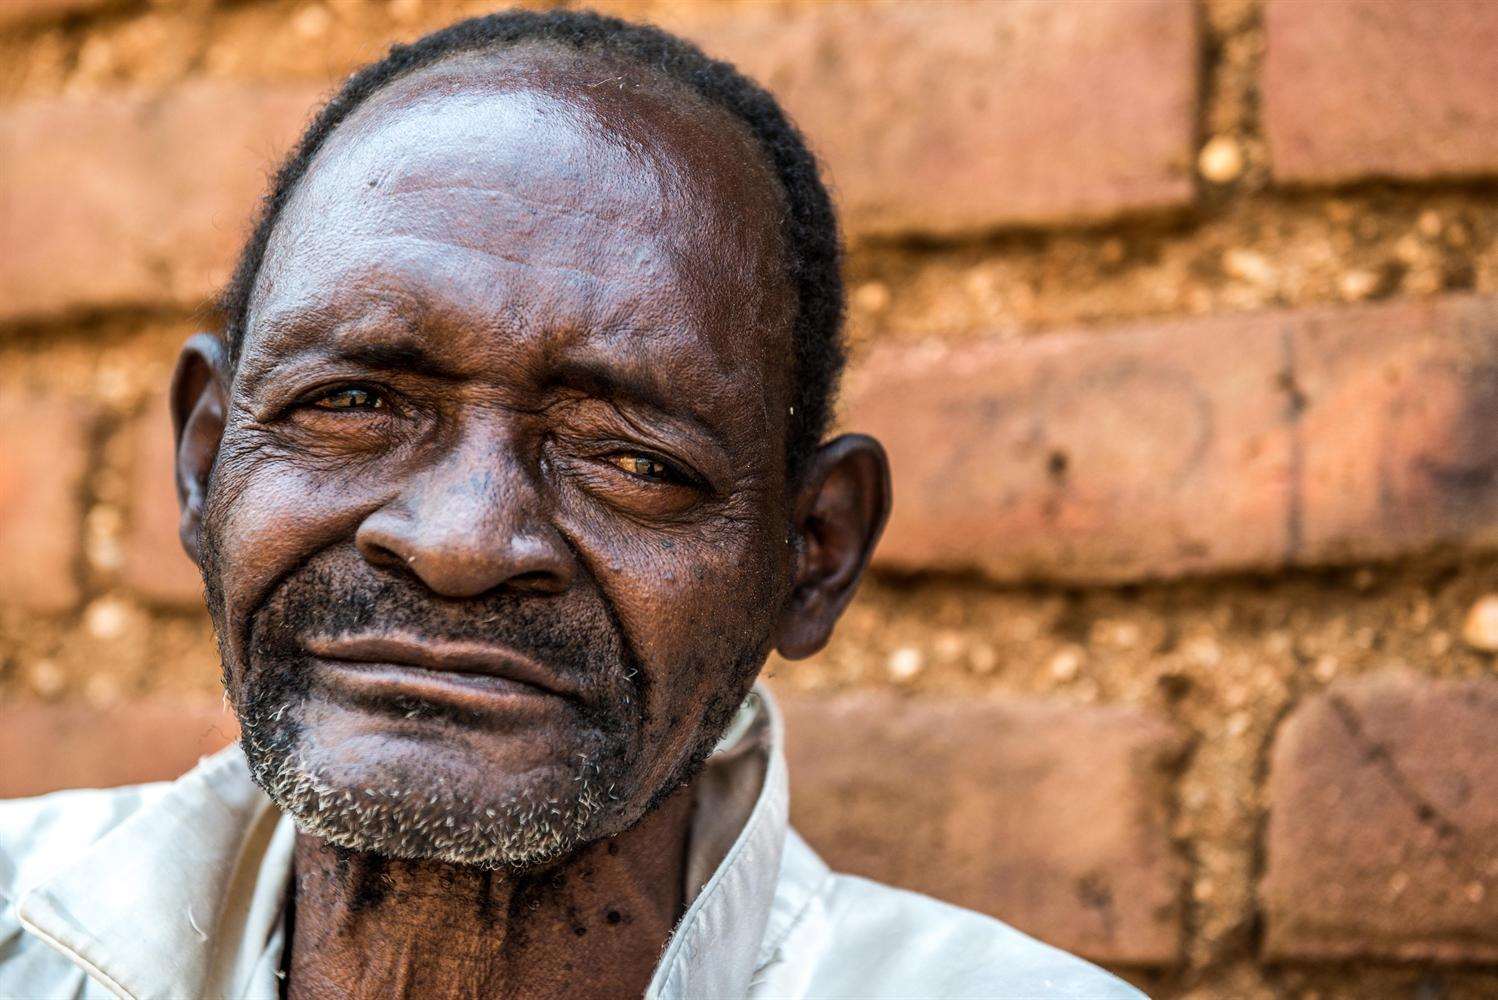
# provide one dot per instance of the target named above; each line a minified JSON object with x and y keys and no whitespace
{"x":471,"y":692}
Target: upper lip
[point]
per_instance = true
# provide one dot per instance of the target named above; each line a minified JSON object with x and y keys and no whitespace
{"x":451,"y":656}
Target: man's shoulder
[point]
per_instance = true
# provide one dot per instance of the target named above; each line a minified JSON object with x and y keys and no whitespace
{"x":39,"y":835}
{"x":39,"y":838}
{"x":883,"y":941}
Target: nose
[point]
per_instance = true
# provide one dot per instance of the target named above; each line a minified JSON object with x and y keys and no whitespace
{"x":472,"y":523}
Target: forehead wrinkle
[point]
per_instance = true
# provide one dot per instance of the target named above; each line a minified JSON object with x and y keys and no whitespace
{"x":622,"y":338}
{"x":398,"y":278}
{"x":288,"y":331}
{"x":630,"y":120}
{"x":490,"y":126}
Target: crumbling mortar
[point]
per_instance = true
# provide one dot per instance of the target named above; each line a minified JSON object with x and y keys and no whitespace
{"x":1173,"y":769}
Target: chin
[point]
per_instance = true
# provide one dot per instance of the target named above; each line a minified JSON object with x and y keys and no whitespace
{"x":422,"y":785}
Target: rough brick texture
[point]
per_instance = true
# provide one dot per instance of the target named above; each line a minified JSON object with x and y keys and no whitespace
{"x":156,"y":567}
{"x":1235,"y":443}
{"x":948,"y":118}
{"x":45,"y":747}
{"x":1356,"y":89}
{"x":131,"y":200}
{"x":15,"y":13}
{"x":1383,"y":825}
{"x":1052,"y":817}
{"x":44,"y":445}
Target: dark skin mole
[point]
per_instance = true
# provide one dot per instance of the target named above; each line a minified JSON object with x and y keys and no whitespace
{"x":544,"y":355}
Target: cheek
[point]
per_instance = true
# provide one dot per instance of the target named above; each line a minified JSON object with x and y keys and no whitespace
{"x":691,"y":602}
{"x":268,"y":517}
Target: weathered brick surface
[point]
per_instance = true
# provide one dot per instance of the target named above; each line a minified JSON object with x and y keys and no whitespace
{"x":1383,"y":825}
{"x":1355,"y":89}
{"x":45,"y":747}
{"x":131,"y":200}
{"x":20,"y":12}
{"x":44,"y":445}
{"x":956,"y":117}
{"x":156,"y":567}
{"x":1052,"y":817}
{"x":1249,"y":442}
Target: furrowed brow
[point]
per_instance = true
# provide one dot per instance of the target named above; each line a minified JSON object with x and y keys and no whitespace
{"x":396,"y":356}
{"x":623,"y":386}
{"x":304,"y":339}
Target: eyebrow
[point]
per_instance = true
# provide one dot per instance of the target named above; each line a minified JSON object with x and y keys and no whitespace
{"x":623,"y":386}
{"x":399,"y":355}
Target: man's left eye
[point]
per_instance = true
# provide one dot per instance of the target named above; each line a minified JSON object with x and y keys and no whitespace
{"x":349,"y":398}
{"x":645,"y":467}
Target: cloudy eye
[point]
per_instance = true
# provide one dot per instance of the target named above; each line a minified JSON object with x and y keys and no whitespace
{"x":349,"y":398}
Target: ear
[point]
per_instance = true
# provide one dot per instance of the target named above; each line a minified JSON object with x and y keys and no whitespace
{"x":199,"y":400}
{"x":841,"y":507}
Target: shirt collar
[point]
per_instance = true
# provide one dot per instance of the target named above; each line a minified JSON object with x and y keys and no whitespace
{"x":174,"y":901}
{"x":718,"y":945}
{"x":185,"y":897}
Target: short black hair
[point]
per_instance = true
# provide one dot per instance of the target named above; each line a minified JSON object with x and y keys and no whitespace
{"x":813,"y":247}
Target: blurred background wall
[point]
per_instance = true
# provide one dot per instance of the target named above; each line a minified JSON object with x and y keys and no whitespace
{"x":1181,"y":323}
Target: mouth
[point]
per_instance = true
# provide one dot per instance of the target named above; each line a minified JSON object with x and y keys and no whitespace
{"x":475,"y":676}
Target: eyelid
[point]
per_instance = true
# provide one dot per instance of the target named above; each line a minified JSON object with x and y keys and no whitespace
{"x":309,"y":398}
{"x":676,"y":470}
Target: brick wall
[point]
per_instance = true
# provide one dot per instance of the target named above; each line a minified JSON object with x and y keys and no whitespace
{"x":1181,"y":323}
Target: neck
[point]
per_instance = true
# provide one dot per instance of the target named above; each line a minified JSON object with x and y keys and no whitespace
{"x":592,"y":924}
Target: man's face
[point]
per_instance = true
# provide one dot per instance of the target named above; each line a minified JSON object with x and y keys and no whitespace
{"x":496,"y":535}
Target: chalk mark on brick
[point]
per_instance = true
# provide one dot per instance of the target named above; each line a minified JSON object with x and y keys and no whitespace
{"x":1295,"y":405}
{"x":1095,"y":894}
{"x":1424,"y":809}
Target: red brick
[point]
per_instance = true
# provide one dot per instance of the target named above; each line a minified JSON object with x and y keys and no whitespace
{"x":934,"y":118}
{"x":1052,"y":817}
{"x":134,"y":200}
{"x":1383,"y":827}
{"x":1356,"y":89}
{"x":46,"y":747}
{"x":156,"y":567}
{"x":16,"y":12}
{"x":44,"y":445}
{"x":1251,"y":442}
{"x":949,"y":118}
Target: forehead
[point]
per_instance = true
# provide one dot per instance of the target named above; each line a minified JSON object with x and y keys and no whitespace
{"x":535,"y":199}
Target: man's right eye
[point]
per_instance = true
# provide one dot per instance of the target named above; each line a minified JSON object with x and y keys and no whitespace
{"x":349,"y":398}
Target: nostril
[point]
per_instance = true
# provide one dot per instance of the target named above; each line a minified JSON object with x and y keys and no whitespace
{"x":377,"y":554}
{"x":540,"y":581}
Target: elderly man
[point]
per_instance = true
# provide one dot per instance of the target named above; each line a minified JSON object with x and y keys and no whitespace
{"x":505,"y":476}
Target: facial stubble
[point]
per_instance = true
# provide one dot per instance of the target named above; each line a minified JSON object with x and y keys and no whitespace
{"x":396,"y":811}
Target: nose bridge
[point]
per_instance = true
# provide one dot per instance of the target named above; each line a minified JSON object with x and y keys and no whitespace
{"x":481,"y":488}
{"x":474,"y":519}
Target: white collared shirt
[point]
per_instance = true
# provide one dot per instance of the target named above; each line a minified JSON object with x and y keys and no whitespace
{"x":178,"y":890}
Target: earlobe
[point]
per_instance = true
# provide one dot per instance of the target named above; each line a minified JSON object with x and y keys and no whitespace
{"x":840,"y":513}
{"x":199,"y":401}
